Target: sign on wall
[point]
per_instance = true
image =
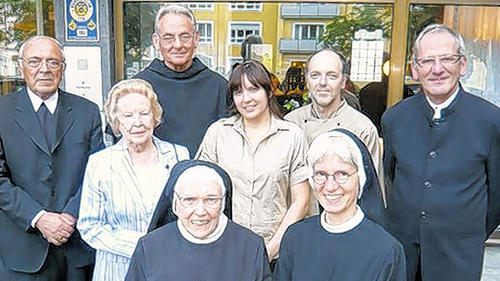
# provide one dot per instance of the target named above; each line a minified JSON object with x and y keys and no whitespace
{"x":83,"y":75}
{"x":367,"y":56}
{"x":81,"y":20}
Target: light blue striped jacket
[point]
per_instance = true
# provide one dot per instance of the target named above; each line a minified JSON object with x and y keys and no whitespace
{"x":113,"y":215}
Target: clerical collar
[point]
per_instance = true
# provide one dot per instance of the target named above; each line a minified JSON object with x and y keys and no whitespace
{"x":219,"y":230}
{"x":346,"y":226}
{"x":438,"y":107}
{"x":50,"y":103}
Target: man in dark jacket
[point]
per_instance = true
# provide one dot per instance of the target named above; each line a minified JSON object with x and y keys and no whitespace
{"x":441,"y":162}
{"x":46,"y":136}
{"x":192,"y":95}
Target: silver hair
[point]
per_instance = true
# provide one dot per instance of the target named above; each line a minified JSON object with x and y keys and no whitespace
{"x":174,"y":9}
{"x":326,"y":145}
{"x":340,"y":144}
{"x":438,"y":28}
{"x":38,"y":37}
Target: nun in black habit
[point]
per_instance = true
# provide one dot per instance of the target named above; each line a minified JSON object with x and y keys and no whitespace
{"x":192,"y":236}
{"x":344,"y":242}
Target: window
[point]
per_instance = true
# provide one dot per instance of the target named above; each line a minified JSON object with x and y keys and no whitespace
{"x":246,"y":6}
{"x":196,"y":6}
{"x":240,"y":30}
{"x":231,"y":61}
{"x":206,"y":32}
{"x":206,"y":60}
{"x":307,"y":31}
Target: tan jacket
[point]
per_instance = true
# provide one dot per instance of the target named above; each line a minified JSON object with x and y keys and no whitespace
{"x":262,"y":176}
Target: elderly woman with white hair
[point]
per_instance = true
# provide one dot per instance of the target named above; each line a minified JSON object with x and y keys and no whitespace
{"x":123,"y":182}
{"x":199,"y":241}
{"x":342,"y":243}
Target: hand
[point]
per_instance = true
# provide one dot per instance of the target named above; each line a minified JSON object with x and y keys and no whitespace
{"x":272,"y":248}
{"x":68,"y":219}
{"x":56,"y":228}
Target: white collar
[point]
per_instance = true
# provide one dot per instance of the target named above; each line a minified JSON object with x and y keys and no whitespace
{"x":343,"y":227}
{"x":50,"y":103}
{"x":438,"y":107}
{"x":219,"y":230}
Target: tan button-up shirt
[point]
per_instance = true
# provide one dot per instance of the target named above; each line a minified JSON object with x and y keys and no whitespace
{"x":261,"y":175}
{"x":345,"y":117}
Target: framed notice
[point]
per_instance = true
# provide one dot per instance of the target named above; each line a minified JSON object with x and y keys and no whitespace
{"x":81,"y":20}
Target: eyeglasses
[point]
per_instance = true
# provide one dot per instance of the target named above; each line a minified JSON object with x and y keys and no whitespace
{"x":37,"y":62}
{"x":445,"y":60}
{"x":169,"y":39}
{"x":129,"y":118}
{"x":339,"y":177}
{"x":211,"y":202}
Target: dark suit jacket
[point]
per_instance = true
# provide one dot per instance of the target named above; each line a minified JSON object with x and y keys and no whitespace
{"x":33,"y":178}
{"x":444,"y":182}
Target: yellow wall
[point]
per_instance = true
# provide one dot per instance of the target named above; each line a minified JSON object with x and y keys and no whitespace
{"x":221,"y":16}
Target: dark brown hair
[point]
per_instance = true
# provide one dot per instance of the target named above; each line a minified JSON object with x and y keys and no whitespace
{"x":258,"y":75}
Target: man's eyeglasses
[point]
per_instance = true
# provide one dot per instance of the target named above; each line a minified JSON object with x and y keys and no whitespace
{"x":445,"y":60}
{"x":169,"y":39}
{"x":339,"y":177}
{"x":211,"y":202}
{"x":37,"y":62}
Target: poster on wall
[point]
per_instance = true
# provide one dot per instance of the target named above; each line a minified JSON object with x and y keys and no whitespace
{"x":81,"y":20}
{"x":83,"y":75}
{"x":367,"y":56}
{"x":262,"y":53}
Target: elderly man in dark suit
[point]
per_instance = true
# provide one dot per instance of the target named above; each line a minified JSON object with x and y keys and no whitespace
{"x":46,"y":135}
{"x":441,"y":156}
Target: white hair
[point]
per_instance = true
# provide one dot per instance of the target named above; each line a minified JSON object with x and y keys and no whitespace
{"x":340,"y":144}
{"x":174,"y":9}
{"x":38,"y":37}
{"x":439,"y":28}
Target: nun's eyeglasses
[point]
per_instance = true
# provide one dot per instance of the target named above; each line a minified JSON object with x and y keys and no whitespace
{"x":339,"y":177}
{"x":191,"y":201}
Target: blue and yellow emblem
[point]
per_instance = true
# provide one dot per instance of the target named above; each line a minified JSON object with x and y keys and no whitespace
{"x":81,"y":20}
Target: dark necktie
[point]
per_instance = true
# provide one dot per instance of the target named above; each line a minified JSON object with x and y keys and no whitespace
{"x":45,"y":123}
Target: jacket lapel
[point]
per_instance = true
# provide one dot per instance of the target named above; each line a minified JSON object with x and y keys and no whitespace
{"x":167,"y":159}
{"x":65,"y":120}
{"x":28,"y":120}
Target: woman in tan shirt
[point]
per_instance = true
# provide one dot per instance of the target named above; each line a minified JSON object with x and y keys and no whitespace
{"x":263,"y":154}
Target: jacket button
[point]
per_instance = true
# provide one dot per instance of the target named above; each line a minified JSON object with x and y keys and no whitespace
{"x":423,"y":215}
{"x":427,"y":184}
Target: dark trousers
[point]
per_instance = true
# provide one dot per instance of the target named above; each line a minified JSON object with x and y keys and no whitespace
{"x":55,"y":268}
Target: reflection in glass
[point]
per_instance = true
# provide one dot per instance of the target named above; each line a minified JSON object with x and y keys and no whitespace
{"x":290,"y":32}
{"x":481,"y":31}
{"x":17,"y":23}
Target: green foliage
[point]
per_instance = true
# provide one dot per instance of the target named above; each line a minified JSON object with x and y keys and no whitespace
{"x":421,"y":16}
{"x":138,"y":24}
{"x":17,"y":22}
{"x":339,"y":33}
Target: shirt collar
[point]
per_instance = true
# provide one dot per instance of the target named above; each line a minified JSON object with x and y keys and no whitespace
{"x":50,"y":103}
{"x":439,"y":107}
{"x":237,"y":123}
{"x":343,"y":227}
{"x":315,"y":114}
{"x":218,"y":231}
